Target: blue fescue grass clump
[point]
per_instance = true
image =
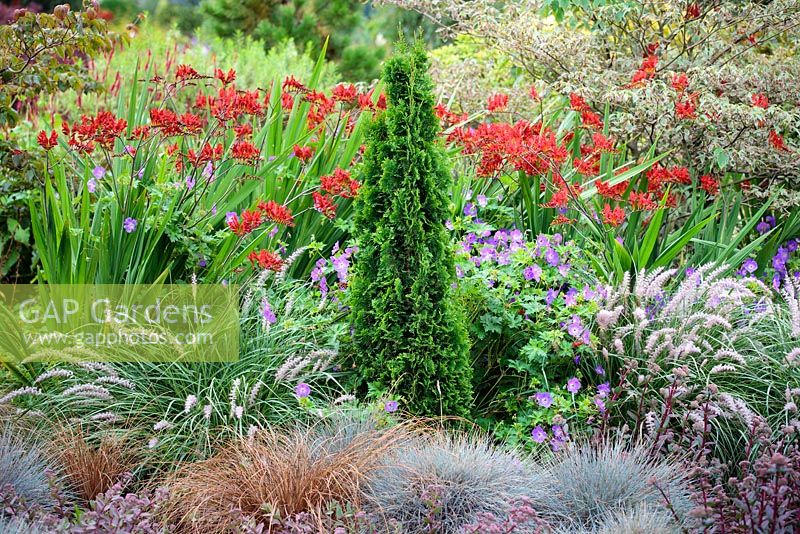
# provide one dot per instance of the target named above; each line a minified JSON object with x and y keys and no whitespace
{"x":23,"y":466}
{"x":445,"y":483}
{"x":583,"y":487}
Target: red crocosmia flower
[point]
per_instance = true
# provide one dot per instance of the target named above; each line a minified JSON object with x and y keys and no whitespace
{"x":777,"y":142}
{"x":171,"y":149}
{"x":497,"y":102}
{"x":651,"y":49}
{"x":345,"y":93}
{"x":680,"y":82}
{"x":611,"y":191}
{"x":185,"y":72}
{"x":250,"y":220}
{"x":243,"y":130}
{"x":752,"y":38}
{"x":381,"y":104}
{"x":680,"y":175}
{"x":590,"y":119}
{"x":324,"y":204}
{"x":339,"y":184}
{"x":561,"y":220}
{"x":265,"y":260}
{"x":303,"y":153}
{"x":47,"y":142}
{"x":292,"y":84}
{"x":686,"y":106}
{"x":244,"y":151}
{"x":759,"y":100}
{"x":190,"y":123}
{"x":642,"y":201}
{"x":577,"y":103}
{"x":448,"y":117}
{"x":365,"y":101}
{"x":225,"y":78}
{"x":315,"y":97}
{"x":248,"y":102}
{"x":692,"y":11}
{"x":560,"y":199}
{"x":206,"y":154}
{"x":201,"y":101}
{"x":602,"y":143}
{"x":287,"y":102}
{"x":709,"y":184}
{"x":534,"y":94}
{"x":588,"y":166}
{"x":276,"y":213}
{"x":101,"y":129}
{"x":165,"y":120}
{"x":141,"y":132}
{"x":646,"y":71}
{"x":613,"y":217}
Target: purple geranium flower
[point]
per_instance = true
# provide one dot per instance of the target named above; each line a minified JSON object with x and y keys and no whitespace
{"x":551,"y":256}
{"x":573,"y":385}
{"x":302,"y":390}
{"x":603,"y":389}
{"x":532,"y":272}
{"x":538,"y":434}
{"x":544,"y":399}
{"x":571,"y":297}
{"x":91,"y":185}
{"x":750,"y":265}
{"x":575,"y":327}
{"x":129,"y":224}
{"x":390,"y":406}
{"x":98,"y":172}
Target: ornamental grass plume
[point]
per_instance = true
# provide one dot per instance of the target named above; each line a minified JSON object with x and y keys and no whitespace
{"x":445,"y":484}
{"x":708,"y":357}
{"x":279,"y":473}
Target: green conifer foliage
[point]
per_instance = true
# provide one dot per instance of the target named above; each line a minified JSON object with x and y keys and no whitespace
{"x":408,"y":336}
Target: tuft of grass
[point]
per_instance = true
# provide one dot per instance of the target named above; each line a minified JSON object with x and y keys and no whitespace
{"x":24,"y":464}
{"x":92,"y":469}
{"x":640,"y":520}
{"x":445,"y":483}
{"x":18,"y":525}
{"x":278,"y":474}
{"x":581,"y":488}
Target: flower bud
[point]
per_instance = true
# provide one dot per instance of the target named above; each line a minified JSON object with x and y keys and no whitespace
{"x":61,"y":11}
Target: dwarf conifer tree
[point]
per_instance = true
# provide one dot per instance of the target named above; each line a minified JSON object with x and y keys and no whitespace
{"x":409,"y":339}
